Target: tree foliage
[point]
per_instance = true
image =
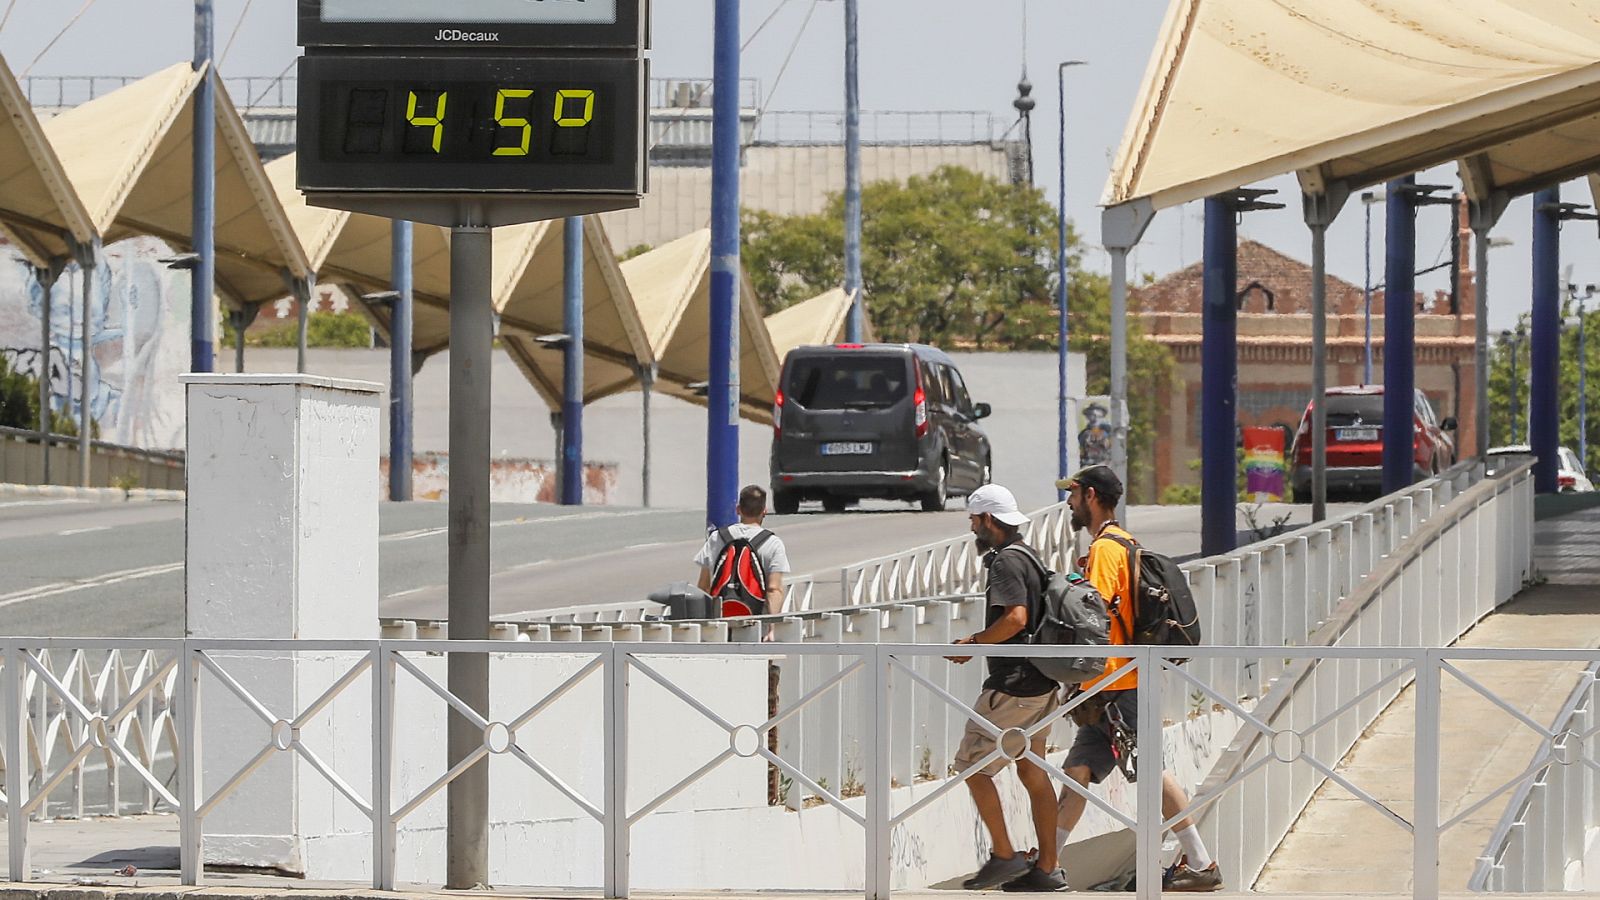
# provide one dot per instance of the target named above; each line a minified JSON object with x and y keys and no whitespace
{"x":964,"y":262}
{"x":1500,"y":364}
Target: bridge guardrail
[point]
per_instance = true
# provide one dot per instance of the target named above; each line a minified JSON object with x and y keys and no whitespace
{"x":1233,"y":593}
{"x":1426,"y":589}
{"x":1548,"y":824}
{"x":22,"y":462}
{"x":883,"y":674}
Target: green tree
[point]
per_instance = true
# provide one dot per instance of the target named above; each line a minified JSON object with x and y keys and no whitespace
{"x":19,"y":398}
{"x":323,"y":329}
{"x":962,"y":261}
{"x":950,"y":258}
{"x":1568,"y":402}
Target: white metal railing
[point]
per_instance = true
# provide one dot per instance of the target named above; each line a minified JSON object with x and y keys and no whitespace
{"x":1543,"y":840}
{"x":884,"y":675}
{"x":1426,"y":590}
{"x":940,"y":569}
{"x":1275,"y":593}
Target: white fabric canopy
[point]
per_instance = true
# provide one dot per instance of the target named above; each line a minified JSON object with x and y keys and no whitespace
{"x":128,"y":155}
{"x":38,"y":206}
{"x":1351,"y":91}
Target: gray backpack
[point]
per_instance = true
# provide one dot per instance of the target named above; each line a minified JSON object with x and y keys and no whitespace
{"x":1071,"y":613}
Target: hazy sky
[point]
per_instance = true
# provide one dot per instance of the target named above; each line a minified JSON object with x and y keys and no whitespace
{"x":916,"y":55}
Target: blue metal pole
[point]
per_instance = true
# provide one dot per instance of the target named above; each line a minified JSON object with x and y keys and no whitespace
{"x":1366,"y":303}
{"x":1399,"y":326}
{"x":1219,"y":367}
{"x":1544,"y":384}
{"x":1061,"y":281}
{"x":722,"y":397}
{"x":855,"y":326}
{"x":204,"y":220}
{"x":572,"y":372}
{"x":400,"y":419}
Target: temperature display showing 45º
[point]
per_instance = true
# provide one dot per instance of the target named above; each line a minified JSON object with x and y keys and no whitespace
{"x":427,"y":121}
{"x":527,"y":123}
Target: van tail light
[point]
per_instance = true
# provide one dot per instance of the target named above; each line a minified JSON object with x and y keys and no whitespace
{"x":1567,"y":481}
{"x":919,"y":403}
{"x":777,"y":415}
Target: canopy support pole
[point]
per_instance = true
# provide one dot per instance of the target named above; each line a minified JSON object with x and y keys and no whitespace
{"x":572,"y":369}
{"x":1544,"y":387}
{"x":88,"y":255}
{"x":1219,"y":380}
{"x":47,"y":276}
{"x":204,"y":212}
{"x":401,"y":280}
{"x":1482,"y":216}
{"x":1320,"y":211}
{"x":1121,"y":227}
{"x":1399,"y":326}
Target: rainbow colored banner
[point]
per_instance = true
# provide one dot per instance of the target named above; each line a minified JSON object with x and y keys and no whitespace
{"x":1264,"y":475}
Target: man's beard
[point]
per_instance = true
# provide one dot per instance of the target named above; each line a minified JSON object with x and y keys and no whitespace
{"x":1078,"y":521}
{"x":984,"y":542}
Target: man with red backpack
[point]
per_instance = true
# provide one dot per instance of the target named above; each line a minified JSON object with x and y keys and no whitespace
{"x":742,"y":566}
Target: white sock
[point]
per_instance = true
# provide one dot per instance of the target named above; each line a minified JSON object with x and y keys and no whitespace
{"x":1194,"y":848}
{"x":1061,"y":838}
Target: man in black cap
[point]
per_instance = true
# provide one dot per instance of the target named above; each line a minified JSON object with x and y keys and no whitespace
{"x":1092,"y":495}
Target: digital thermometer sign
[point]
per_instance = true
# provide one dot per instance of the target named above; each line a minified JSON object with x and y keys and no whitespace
{"x":412,"y":108}
{"x":502,"y":124}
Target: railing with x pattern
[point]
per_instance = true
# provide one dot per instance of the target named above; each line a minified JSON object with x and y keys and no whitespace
{"x":1290,"y":748}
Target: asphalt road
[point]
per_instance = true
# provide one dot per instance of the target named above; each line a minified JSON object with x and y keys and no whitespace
{"x":116,"y":570}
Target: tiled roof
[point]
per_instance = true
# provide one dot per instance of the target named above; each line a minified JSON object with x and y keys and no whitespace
{"x":1262,"y":271}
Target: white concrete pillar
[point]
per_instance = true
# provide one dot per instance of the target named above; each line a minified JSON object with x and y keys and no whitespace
{"x":282,"y":542}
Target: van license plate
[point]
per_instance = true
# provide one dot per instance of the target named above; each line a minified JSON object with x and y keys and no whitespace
{"x":846,"y":448}
{"x":1357,"y":434}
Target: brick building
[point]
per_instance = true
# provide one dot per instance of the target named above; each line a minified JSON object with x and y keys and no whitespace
{"x":1275,"y":350}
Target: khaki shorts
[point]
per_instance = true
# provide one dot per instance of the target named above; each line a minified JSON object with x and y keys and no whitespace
{"x":1005,"y":712}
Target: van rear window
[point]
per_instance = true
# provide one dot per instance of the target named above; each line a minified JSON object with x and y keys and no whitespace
{"x":847,"y":382}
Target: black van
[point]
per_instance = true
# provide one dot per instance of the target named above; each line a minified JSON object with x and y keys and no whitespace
{"x":888,"y":421}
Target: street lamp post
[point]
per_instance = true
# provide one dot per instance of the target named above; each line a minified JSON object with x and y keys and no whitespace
{"x":1062,"y":431}
{"x":1367,"y":199}
{"x":1515,"y":341}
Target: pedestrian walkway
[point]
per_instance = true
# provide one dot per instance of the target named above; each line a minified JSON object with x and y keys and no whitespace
{"x":1342,"y":844}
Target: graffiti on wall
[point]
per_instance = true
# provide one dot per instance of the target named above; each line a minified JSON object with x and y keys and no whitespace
{"x":139,"y":325}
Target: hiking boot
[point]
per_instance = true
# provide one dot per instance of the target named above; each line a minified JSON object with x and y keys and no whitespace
{"x":1182,"y":878}
{"x":1037,"y":880}
{"x":997,"y":871}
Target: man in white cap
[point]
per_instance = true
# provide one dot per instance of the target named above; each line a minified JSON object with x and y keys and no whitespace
{"x":1015,"y":696}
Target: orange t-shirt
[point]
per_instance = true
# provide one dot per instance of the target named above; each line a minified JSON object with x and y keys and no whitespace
{"x":1107,"y":569}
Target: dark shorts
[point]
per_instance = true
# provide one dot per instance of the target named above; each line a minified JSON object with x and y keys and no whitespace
{"x":1092,"y":748}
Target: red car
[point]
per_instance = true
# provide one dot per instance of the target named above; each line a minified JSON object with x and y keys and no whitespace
{"x":1355,"y":441}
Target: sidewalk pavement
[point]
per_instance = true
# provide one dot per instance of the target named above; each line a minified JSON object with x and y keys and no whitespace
{"x":1342,"y":844}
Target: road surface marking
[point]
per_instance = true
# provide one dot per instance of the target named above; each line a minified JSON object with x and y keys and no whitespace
{"x":509,"y":523}
{"x":68,"y":587}
{"x":39,"y":502}
{"x":72,"y":531}
{"x":405,"y":593}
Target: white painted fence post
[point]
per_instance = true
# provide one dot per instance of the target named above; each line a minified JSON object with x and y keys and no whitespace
{"x":16,"y":737}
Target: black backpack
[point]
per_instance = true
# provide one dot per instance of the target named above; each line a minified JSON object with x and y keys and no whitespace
{"x":1071,"y":613}
{"x":1164,"y":613}
{"x":739,"y":581}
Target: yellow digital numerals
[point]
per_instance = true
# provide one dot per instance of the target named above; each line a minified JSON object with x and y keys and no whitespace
{"x":435,"y":121}
{"x":505,"y":121}
{"x":563,"y":120}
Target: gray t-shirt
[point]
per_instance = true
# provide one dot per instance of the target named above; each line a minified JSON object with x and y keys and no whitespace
{"x":773,"y":556}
